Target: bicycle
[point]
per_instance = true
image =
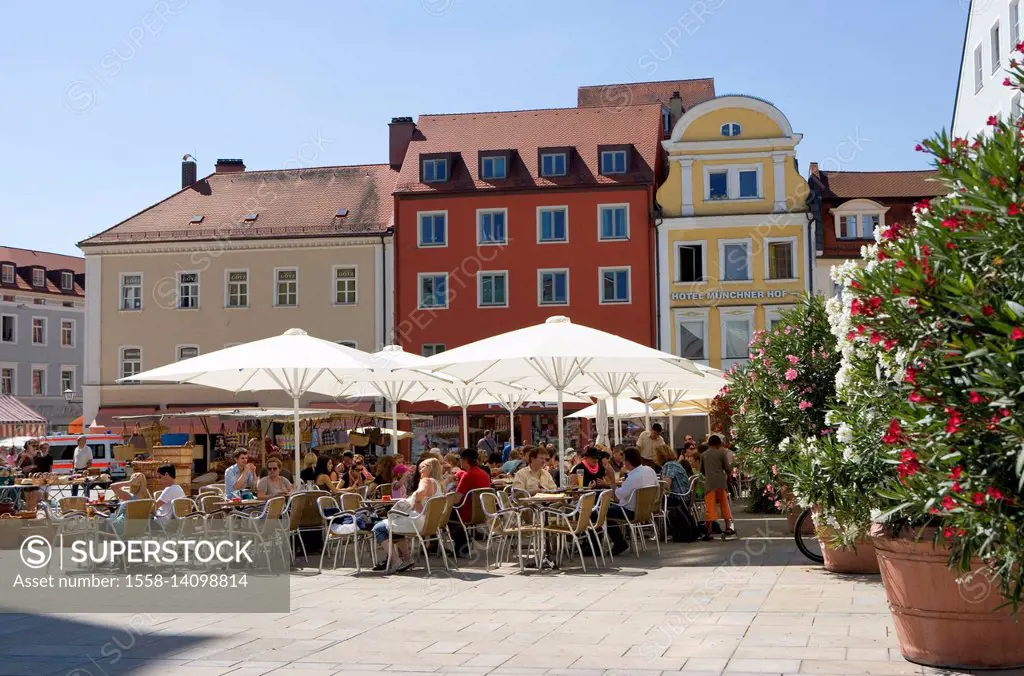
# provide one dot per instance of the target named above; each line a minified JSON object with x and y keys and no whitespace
{"x":807,"y":543}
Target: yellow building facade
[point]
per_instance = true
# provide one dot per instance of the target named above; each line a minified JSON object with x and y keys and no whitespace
{"x":733,"y":237}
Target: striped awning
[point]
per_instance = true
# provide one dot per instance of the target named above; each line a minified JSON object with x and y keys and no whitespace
{"x":18,"y":420}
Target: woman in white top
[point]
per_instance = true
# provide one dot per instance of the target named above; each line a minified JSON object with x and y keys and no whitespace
{"x":411,"y":521}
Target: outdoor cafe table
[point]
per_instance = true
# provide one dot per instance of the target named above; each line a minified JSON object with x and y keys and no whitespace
{"x":536,"y":503}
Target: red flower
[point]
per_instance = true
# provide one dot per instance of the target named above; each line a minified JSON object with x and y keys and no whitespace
{"x":917,"y":398}
{"x":1017,"y":333}
{"x":875,"y":302}
{"x":889,"y":344}
{"x":950,"y":246}
{"x":1020,"y":47}
{"x":975,"y":398}
{"x":900,"y":264}
{"x":945,"y":161}
{"x":1004,"y":412}
{"x":919,"y":148}
{"x":854,"y":284}
{"x":851,"y":336}
{"x":950,"y":223}
{"x":992,"y":120}
{"x":957,"y":488}
{"x":1013,"y":209}
{"x":855,"y":307}
{"x":954,"y":421}
{"x":947,"y":532}
{"x":987,"y":310}
{"x":948,"y":503}
{"x":1006,"y":82}
{"x":881,"y":255}
{"x":956,"y":473}
{"x":876,"y":338}
{"x":978,"y":498}
{"x":995,"y":493}
{"x":909,"y":464}
{"x":921,"y":206}
{"x":911,"y":376}
{"x":894,"y":434}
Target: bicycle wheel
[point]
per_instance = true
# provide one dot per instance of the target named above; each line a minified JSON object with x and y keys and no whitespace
{"x":807,"y":542}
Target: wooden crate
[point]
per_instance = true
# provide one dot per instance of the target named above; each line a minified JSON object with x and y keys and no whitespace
{"x":125,"y":453}
{"x":175,"y":455}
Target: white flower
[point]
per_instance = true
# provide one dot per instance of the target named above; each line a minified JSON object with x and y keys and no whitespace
{"x":844,"y":434}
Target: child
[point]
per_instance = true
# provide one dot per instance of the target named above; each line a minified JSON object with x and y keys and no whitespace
{"x":716,"y":468}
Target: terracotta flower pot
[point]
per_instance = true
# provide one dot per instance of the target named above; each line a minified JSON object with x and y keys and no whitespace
{"x":860,"y":559}
{"x":792,"y":514}
{"x":941,"y":622}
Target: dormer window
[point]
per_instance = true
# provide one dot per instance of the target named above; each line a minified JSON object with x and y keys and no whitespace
{"x":494,"y":166}
{"x":613,"y":159}
{"x":434,"y":170}
{"x":67,"y":281}
{"x":554,"y":164}
{"x":731,"y":129}
{"x":7,"y":273}
{"x":666,"y":120}
{"x":38,"y":277}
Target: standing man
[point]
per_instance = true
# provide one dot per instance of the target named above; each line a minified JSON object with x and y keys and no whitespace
{"x":82,"y":461}
{"x":649,"y":442}
{"x":488,"y":444}
{"x":239,"y":477}
{"x":716,"y":468}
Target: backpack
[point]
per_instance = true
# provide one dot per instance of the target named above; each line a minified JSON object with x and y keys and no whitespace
{"x":682,"y":526}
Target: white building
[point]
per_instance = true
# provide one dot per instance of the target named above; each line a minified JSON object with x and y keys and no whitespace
{"x":993,"y":31}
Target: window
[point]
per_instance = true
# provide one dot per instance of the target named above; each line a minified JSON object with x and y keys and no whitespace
{"x":430,"y":349}
{"x":551,"y":224}
{"x":131,"y":361}
{"x":345,"y":286}
{"x":8,"y":273}
{"x":614,"y":221}
{"x":1016,"y":109}
{"x":435,"y":170}
{"x":67,"y":303}
{"x":690,"y":259}
{"x":67,"y":379}
{"x":691,"y":332}
{"x":718,"y":185}
{"x":7,"y":380}
{"x":848,"y":227}
{"x":38,"y":277}
{"x":188,"y":290}
{"x":773,"y":315}
{"x":38,"y":381}
{"x":731,"y":129}
{"x":433,"y":229}
{"x":433,"y":289}
{"x":554,"y":164}
{"x":553,"y":287}
{"x":493,"y":289}
{"x":613,"y":162}
{"x":7,"y":299}
{"x":978,"y":72}
{"x":735,"y":258}
{"x":748,"y":183}
{"x":781,"y":259}
{"x":490,"y":226}
{"x":348,"y":343}
{"x":859,"y":226}
{"x":186,"y":352}
{"x":1014,"y":23}
{"x":286,"y":287}
{"x":995,"y":47}
{"x":39,"y":330}
{"x":730,"y":183}
{"x":67,"y":333}
{"x":493,"y":167}
{"x":131,"y":291}
{"x":67,"y":281}
{"x":666,"y":120}
{"x":237,"y":295}
{"x":8,"y":329}
{"x":614,"y":285}
{"x":737,"y":329}
{"x":868,"y":225}
{"x":39,"y":301}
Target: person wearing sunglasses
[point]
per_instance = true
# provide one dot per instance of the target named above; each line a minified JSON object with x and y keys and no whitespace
{"x":273,"y":484}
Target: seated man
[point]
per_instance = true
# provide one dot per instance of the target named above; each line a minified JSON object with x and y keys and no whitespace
{"x":471,"y":477}
{"x":171,"y":492}
{"x":638,"y":475}
{"x":535,"y":477}
{"x":239,"y":477}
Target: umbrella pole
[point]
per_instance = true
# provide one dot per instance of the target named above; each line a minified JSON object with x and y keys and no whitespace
{"x":465,"y":427}
{"x":615,"y":420}
{"x":561,"y":441}
{"x":511,"y":429}
{"x":394,"y":428}
{"x":297,"y":437}
{"x":647,"y":415}
{"x":671,"y":431}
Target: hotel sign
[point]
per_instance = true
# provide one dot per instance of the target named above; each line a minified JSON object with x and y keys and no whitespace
{"x":719,"y":294}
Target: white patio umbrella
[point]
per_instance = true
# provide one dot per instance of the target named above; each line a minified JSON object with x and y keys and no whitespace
{"x":293,"y":362}
{"x":566,"y":356}
{"x":628,"y":408}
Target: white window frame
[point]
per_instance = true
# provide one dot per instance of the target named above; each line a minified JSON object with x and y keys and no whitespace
{"x":564,"y":208}
{"x":625,"y":162}
{"x":185,"y":346}
{"x":121,"y":360}
{"x":565,"y":163}
{"x":227,"y":289}
{"x":773,"y":313}
{"x":792,"y":241}
{"x":601,"y":208}
{"x":419,"y":229}
{"x":14,"y":330}
{"x":480,"y":288}
{"x":683,"y":315}
{"x":419,"y":290}
{"x":32,"y":377}
{"x":424,"y":346}
{"x":666,"y":120}
{"x":492,"y":159}
{"x":121,"y":287}
{"x":64,"y":276}
{"x":859,"y":208}
{"x":1014,"y":24}
{"x":480,"y":224}
{"x":750,"y":260}
{"x":995,"y":47}
{"x":41,"y":273}
{"x":732,"y":182}
{"x":290,"y":268}
{"x":8,"y":273}
{"x":629,"y":284}
{"x":540,"y":286}
{"x":435,"y":161}
{"x":1016,"y":108}
{"x":198,"y":285}
{"x":73,"y":370}
{"x":32,"y":332}
{"x":334,"y":284}
{"x":74,"y":327}
{"x":13,"y":368}
{"x":979,"y":68}
{"x":734,"y":312}
{"x":703,"y":244}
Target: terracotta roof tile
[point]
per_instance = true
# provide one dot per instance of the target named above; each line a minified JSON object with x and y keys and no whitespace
{"x":854,"y":184}
{"x":25,"y":259}
{"x":524,"y":132}
{"x":288,"y":203}
{"x":691,"y":92}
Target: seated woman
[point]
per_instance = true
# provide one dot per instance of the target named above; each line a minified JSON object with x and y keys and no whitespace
{"x":400,"y":483}
{"x":595,"y":474}
{"x":535,"y":477}
{"x":676,"y":472}
{"x":322,"y":473}
{"x":494,"y":463}
{"x":308,"y":473}
{"x":412,"y":520}
{"x":273,"y":484}
{"x":133,"y":489}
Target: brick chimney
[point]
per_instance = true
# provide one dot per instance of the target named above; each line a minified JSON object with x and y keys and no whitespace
{"x":675,"y":108}
{"x":188,"y":171}
{"x":400,"y":132}
{"x":229,"y":166}
{"x":813,"y":169}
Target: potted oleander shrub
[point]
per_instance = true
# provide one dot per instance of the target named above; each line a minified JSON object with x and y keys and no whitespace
{"x":944,"y":298}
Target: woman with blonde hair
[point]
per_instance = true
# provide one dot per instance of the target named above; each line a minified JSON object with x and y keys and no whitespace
{"x":407,"y":516}
{"x":133,"y":489}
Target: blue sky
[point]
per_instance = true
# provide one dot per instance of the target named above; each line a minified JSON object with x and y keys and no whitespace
{"x":103,"y":99}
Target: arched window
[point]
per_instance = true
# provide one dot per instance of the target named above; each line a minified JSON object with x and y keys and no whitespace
{"x":731,"y":129}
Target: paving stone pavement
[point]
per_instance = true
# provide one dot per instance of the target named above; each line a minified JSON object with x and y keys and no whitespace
{"x":749,"y":606}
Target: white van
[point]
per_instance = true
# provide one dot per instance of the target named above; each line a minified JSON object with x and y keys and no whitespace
{"x":62,"y":450}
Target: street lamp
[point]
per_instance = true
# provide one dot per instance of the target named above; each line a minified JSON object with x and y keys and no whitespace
{"x":68,"y":395}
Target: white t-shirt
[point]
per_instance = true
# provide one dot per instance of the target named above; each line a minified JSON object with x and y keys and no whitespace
{"x":164,"y":508}
{"x":82,"y":457}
